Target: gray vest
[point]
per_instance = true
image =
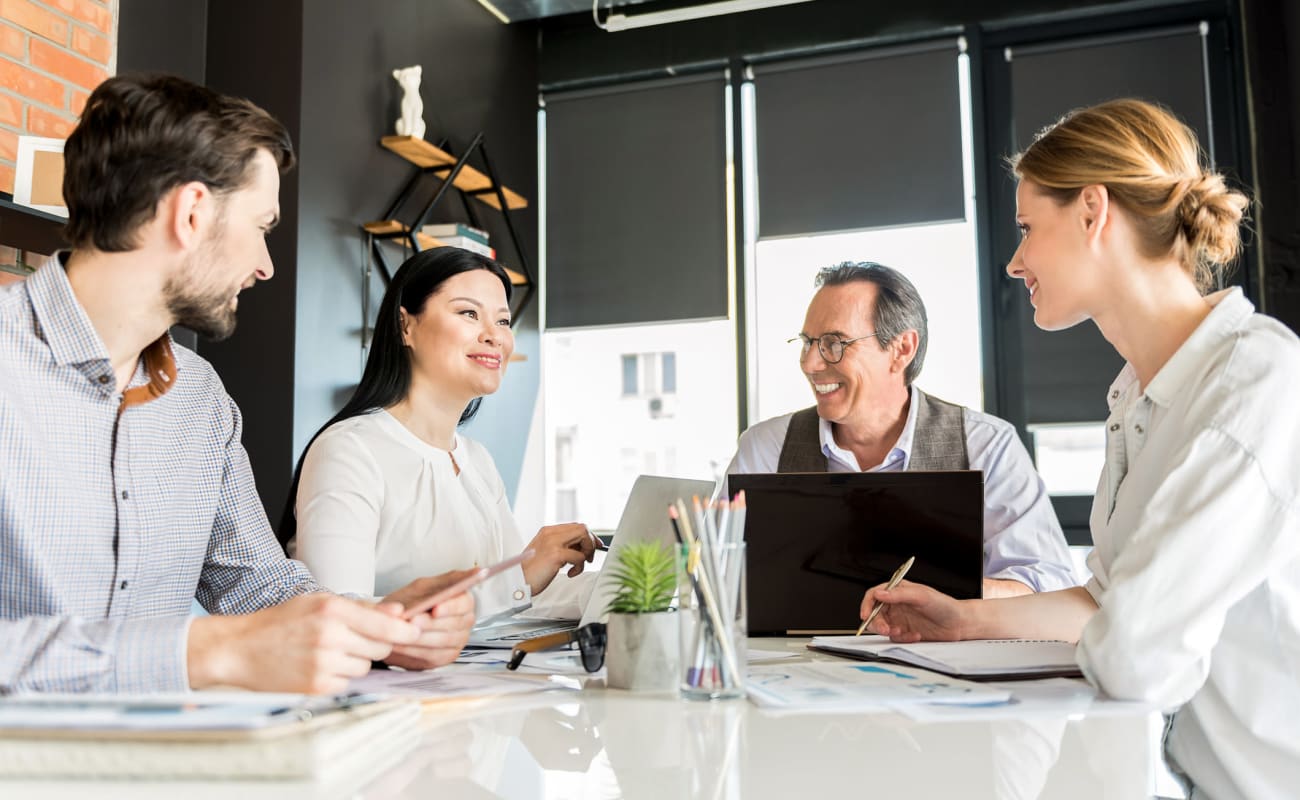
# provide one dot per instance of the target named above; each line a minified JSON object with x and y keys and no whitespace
{"x":938,"y":442}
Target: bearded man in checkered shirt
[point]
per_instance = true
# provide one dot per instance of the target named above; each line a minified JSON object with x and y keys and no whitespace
{"x":125,"y":492}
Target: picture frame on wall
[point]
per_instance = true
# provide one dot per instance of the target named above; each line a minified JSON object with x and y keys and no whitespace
{"x":38,"y":175}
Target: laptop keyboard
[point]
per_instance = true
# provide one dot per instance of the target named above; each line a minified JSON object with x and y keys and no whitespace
{"x":532,"y":633}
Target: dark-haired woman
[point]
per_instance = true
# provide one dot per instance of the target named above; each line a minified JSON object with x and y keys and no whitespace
{"x":389,"y":491}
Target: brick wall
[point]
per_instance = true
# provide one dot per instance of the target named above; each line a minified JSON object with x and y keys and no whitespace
{"x":52,"y":54}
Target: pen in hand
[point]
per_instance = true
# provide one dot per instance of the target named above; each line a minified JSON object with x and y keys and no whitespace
{"x":893,"y":582}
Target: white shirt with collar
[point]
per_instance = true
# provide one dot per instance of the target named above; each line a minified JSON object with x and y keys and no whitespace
{"x":1022,"y":537}
{"x":1196,"y":565}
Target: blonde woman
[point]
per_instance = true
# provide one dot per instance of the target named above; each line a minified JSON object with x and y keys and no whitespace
{"x":1194,"y":603}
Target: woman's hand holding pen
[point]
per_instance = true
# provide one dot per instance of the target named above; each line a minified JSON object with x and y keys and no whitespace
{"x":914,"y":612}
{"x":556,"y":546}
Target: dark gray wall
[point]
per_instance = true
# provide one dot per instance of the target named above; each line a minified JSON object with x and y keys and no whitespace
{"x":478,"y":75}
{"x":259,"y":61}
{"x":163,"y":36}
{"x":1272,"y":31}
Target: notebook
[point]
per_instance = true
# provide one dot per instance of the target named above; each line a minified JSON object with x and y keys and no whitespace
{"x":817,"y":541}
{"x":978,"y":660}
{"x":645,"y":518}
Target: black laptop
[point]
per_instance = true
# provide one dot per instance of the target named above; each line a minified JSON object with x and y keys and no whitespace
{"x":817,"y":541}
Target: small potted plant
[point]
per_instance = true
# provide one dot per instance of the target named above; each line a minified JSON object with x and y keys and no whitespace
{"x":642,"y":648}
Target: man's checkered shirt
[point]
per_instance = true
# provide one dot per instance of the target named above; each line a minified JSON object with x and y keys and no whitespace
{"x":111,"y":523}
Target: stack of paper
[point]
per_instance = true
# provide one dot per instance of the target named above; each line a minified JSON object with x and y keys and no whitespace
{"x":983,"y":659}
{"x":196,"y":736}
{"x":856,"y":688}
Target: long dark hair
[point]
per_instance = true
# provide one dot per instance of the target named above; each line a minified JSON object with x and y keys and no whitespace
{"x":387,"y":376}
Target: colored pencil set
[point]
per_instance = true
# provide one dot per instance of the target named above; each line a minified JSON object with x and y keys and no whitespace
{"x":712,"y":595}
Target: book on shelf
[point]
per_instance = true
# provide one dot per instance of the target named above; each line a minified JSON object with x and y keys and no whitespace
{"x":444,"y":230}
{"x":472,"y":245}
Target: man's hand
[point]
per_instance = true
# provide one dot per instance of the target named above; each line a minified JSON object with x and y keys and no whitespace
{"x":555,"y":546}
{"x":444,"y":629}
{"x":914,"y":612}
{"x":313,"y":643}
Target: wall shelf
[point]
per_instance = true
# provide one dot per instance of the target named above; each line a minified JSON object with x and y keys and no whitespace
{"x":469,"y":180}
{"x":29,"y":230}
{"x":386,"y":227}
{"x":438,"y":162}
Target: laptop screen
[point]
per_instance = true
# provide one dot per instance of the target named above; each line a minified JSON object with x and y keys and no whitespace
{"x":817,"y":541}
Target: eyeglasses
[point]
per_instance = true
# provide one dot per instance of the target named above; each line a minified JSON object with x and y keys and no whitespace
{"x":590,"y":639}
{"x":830,"y":345}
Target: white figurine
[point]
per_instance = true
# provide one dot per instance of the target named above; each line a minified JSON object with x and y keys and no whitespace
{"x":411,"y":122}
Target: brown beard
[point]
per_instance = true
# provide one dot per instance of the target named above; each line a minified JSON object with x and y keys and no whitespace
{"x":189,"y":296}
{"x":207,"y":313}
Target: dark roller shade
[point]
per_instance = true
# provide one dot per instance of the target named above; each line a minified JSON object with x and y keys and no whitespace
{"x":1067,"y":372}
{"x":636,"y":204}
{"x":864,"y":141}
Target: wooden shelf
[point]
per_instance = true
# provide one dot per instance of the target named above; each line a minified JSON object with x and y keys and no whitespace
{"x":28,"y":229}
{"x":389,"y":227}
{"x":423,"y":154}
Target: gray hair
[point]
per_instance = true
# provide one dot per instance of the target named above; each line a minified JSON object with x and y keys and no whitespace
{"x":898,"y":305}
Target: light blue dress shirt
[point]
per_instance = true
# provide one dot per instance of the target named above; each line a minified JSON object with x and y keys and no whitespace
{"x":1022,"y":538}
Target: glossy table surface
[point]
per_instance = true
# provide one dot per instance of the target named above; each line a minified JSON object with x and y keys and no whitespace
{"x":600,"y":743}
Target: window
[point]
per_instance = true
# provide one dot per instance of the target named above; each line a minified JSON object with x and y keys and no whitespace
{"x":614,"y":407}
{"x":938,"y":255}
{"x":939,"y":259}
{"x":629,"y":375}
{"x":649,"y":374}
{"x":1070,"y":456}
{"x":639,"y":344}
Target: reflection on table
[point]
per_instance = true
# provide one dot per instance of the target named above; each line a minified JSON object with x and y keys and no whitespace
{"x":599,"y":743}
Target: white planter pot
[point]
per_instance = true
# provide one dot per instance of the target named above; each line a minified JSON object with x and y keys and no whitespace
{"x":641,"y":652}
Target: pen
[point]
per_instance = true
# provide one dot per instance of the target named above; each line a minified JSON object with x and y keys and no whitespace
{"x":894,"y":581}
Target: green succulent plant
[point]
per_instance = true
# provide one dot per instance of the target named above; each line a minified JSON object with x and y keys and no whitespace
{"x":646,"y":575}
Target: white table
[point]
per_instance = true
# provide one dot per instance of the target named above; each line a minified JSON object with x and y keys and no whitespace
{"x":600,"y":743}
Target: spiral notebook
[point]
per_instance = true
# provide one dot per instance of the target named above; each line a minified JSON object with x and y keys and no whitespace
{"x":977,"y":660}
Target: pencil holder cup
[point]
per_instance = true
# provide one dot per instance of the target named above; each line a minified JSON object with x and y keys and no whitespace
{"x":712,"y":616}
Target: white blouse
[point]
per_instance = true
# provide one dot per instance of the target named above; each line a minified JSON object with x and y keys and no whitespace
{"x":378,"y":507}
{"x":1196,"y":564}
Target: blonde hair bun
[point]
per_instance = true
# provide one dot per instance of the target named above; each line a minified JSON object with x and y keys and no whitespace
{"x":1150,"y":163}
{"x":1210,"y":214}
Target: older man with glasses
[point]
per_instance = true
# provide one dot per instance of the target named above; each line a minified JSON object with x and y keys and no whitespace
{"x":863,"y":345}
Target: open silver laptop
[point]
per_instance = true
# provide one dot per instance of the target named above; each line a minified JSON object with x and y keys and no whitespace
{"x":645,"y":518}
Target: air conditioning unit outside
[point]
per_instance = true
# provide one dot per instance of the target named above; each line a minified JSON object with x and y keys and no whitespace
{"x":662,"y":406}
